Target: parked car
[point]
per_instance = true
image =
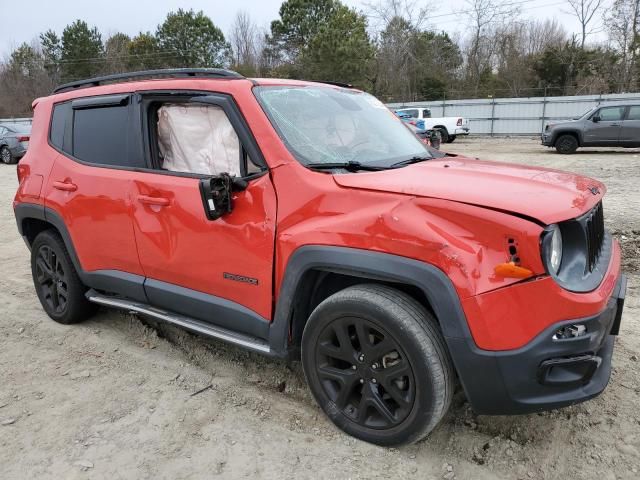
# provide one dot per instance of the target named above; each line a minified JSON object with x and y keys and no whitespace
{"x":14,"y":141}
{"x":449,"y":127}
{"x":335,"y":238}
{"x":609,"y":125}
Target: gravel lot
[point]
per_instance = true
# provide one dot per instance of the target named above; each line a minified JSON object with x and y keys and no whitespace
{"x":113,"y":398}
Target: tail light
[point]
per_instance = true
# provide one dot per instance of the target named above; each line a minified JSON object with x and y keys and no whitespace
{"x":22,"y":172}
{"x":459,"y":123}
{"x":23,"y":138}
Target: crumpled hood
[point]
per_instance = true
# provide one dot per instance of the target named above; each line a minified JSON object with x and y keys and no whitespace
{"x":547,"y":195}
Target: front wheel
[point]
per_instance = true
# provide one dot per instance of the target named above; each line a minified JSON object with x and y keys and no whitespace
{"x":377,"y":364}
{"x":566,"y":144}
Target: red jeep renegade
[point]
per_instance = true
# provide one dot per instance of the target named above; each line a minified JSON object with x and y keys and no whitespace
{"x":302,"y":219}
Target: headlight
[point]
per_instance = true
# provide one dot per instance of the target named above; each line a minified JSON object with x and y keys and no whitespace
{"x":552,"y":248}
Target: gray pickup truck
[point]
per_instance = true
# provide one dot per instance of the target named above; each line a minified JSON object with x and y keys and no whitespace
{"x":611,"y":125}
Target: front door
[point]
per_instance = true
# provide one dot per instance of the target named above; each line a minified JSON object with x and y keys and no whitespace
{"x":603,"y":128}
{"x":219,"y":271}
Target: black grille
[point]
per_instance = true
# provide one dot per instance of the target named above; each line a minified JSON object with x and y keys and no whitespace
{"x":594,"y":231}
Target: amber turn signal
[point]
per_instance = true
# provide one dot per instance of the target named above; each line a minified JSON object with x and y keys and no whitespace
{"x":510,"y":269}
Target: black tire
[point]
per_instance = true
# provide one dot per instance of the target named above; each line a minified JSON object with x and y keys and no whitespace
{"x":390,"y":391}
{"x":56,"y":281}
{"x":566,"y":144}
{"x":6,"y":156}
{"x":451,"y":139}
{"x":444,"y":135}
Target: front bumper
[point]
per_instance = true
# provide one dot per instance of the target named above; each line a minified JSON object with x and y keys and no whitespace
{"x":546,"y":139}
{"x":546,"y":373}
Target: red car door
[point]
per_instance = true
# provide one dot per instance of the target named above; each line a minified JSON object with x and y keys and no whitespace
{"x":90,"y":191}
{"x":219,"y":271}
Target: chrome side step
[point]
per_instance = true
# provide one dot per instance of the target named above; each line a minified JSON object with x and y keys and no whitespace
{"x":196,"y":326}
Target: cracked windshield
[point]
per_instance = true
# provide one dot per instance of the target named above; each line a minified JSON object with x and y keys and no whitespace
{"x":328,"y":125}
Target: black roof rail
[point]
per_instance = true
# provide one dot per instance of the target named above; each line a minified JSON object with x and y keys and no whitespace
{"x":167,"y":72}
{"x":337,"y":84}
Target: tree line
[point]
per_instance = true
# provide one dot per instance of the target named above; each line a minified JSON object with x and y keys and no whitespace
{"x":389,"y":49}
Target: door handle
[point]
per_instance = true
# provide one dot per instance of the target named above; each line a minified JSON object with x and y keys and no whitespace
{"x":65,"y":186}
{"x":158,"y":201}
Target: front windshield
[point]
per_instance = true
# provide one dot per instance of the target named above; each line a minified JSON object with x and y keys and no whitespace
{"x":329,"y":125}
{"x":585,"y":113}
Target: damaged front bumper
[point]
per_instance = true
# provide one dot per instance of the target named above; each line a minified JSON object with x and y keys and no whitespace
{"x":568,"y":363}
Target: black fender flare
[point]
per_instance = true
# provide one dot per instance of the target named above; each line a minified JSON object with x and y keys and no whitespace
{"x":570,"y":131}
{"x":432,"y":281}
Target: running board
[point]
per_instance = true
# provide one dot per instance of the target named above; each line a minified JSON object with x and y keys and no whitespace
{"x":196,"y":326}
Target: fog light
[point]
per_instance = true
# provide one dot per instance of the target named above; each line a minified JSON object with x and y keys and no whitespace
{"x":570,"y":331}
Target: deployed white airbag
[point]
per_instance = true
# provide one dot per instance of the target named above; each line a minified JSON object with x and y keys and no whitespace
{"x":197,"y":139}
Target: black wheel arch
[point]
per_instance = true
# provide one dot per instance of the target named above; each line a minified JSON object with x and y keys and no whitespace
{"x":575,"y":133}
{"x":315,"y":272}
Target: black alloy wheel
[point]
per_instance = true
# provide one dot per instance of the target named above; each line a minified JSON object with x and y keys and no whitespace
{"x":56,"y":281}
{"x":377,"y":364}
{"x":365,"y":372}
{"x":51,"y":280}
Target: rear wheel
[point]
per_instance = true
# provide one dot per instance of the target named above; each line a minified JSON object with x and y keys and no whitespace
{"x":444,"y":135}
{"x":377,"y":364}
{"x":566,"y":144}
{"x":451,"y":139}
{"x":59,"y":289}
{"x":6,"y":156}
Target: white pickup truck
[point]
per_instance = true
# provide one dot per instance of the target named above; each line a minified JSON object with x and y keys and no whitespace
{"x":450,"y":127}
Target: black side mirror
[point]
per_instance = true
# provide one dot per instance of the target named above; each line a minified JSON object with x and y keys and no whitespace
{"x":595,"y":119}
{"x":216,"y":194}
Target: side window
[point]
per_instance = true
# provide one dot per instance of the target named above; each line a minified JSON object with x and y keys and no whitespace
{"x":413,"y":112}
{"x":611,"y":114}
{"x":100,"y":135}
{"x":634,"y":113}
{"x":59,"y":117}
{"x":197,"y":138}
{"x":426,"y":113}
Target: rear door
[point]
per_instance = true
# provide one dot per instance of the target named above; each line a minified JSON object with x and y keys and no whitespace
{"x":89,"y":188}
{"x":219,"y":271}
{"x":606,"y":130}
{"x":630,"y":131}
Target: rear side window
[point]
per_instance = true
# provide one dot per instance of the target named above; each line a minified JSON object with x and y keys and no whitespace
{"x":100,"y":135}
{"x":58,"y":121}
{"x":634,"y":113}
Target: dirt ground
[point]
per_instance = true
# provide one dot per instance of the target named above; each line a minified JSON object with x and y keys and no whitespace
{"x":112,"y":398}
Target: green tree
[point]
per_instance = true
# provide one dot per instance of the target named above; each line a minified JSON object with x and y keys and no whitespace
{"x":340,"y":50}
{"x":299,"y":22}
{"x":116,"y":51}
{"x":52,"y":52}
{"x":144,"y":53}
{"x":26,"y":61}
{"x":82,"y":51}
{"x":192,"y":40}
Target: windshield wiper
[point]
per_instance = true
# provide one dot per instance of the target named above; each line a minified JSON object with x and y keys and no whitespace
{"x":350,"y":166}
{"x":409,"y":161}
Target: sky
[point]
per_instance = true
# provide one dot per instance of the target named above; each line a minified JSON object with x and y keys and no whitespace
{"x":23,"y":20}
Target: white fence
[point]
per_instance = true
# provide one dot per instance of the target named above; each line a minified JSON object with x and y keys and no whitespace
{"x":15,"y":120}
{"x":516,"y":116}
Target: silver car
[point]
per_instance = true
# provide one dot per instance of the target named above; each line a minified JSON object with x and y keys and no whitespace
{"x":14,"y":141}
{"x":610,"y":125}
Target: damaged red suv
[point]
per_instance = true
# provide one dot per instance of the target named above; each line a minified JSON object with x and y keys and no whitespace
{"x":303,"y":220}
